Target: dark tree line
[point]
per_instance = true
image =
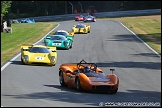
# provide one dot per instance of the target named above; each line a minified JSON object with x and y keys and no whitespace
{"x":20,"y":9}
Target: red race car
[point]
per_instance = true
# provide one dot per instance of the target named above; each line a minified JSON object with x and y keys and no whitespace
{"x":88,"y":77}
{"x":79,"y":18}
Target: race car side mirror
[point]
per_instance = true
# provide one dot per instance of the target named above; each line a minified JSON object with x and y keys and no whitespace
{"x":53,"y":50}
{"x":68,"y":74}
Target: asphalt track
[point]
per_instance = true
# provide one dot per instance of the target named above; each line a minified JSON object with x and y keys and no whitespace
{"x":109,"y":45}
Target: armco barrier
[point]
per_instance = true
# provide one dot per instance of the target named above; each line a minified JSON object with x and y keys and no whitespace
{"x":98,"y":15}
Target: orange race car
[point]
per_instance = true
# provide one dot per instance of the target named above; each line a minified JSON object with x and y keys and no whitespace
{"x":88,"y":77}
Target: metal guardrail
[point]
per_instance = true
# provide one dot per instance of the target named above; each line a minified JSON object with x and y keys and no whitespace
{"x":98,"y":15}
{"x":129,"y":13}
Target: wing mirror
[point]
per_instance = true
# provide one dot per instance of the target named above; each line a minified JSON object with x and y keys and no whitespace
{"x":68,"y":74}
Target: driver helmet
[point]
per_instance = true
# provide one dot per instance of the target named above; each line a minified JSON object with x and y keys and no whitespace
{"x":87,"y":69}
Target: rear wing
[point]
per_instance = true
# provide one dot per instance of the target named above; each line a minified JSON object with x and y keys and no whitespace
{"x":71,"y":33}
{"x":52,"y":33}
{"x":25,"y":47}
{"x":53,"y":49}
{"x":112,"y":70}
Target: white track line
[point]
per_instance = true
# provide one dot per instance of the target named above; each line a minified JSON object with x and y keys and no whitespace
{"x":4,"y":66}
{"x":141,"y":40}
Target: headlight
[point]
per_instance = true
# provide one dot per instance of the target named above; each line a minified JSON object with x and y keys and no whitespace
{"x":26,"y":58}
{"x":53,"y":58}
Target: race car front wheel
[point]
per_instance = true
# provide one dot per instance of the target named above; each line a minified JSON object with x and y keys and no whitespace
{"x":71,"y":45}
{"x":78,"y":85}
{"x":61,"y":79}
{"x":85,"y":31}
{"x":22,"y":61}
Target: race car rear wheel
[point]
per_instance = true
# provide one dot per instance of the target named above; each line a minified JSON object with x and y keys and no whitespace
{"x":61,"y":79}
{"x":115,"y":91}
{"x":78,"y":85}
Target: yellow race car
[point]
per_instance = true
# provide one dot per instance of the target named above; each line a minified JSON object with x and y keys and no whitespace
{"x":38,"y":54}
{"x":81,"y":28}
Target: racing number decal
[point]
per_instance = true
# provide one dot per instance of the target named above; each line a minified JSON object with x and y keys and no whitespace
{"x":57,"y":44}
{"x":39,"y":58}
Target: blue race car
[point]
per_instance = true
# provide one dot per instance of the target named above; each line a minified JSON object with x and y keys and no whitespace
{"x":60,"y":41}
{"x":27,"y":20}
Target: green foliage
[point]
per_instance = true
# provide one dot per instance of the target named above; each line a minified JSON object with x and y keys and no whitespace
{"x":44,"y":8}
{"x":5,"y":5}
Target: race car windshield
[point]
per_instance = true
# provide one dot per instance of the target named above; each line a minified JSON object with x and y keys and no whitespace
{"x":81,"y":16}
{"x":58,"y":38}
{"x":80,"y":26}
{"x":61,"y":33}
{"x":94,"y":74}
{"x":89,"y":16}
{"x":39,"y":50}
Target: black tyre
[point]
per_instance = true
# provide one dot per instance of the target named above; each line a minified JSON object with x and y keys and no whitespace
{"x":71,"y":45}
{"x":115,"y":91}
{"x":22,"y":61}
{"x":61,"y":79}
{"x":78,"y":85}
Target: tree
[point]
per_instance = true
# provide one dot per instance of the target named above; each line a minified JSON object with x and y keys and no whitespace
{"x":5,"y":5}
{"x":23,"y":9}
